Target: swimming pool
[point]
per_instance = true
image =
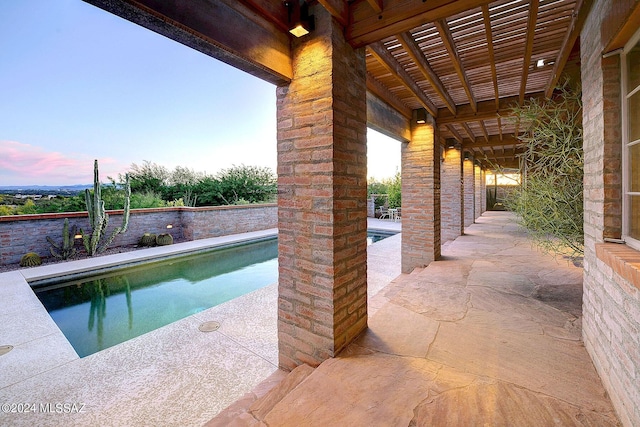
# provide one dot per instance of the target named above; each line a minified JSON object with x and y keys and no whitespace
{"x":103,"y":310}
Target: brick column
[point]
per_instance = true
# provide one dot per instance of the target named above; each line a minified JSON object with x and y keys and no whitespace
{"x":420,"y":198}
{"x":478,"y":190}
{"x":468,"y":181}
{"x":451,"y":196}
{"x":322,"y":191}
{"x":483,"y":191}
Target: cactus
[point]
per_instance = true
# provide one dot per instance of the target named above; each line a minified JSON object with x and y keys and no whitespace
{"x":30,"y":259}
{"x":65,"y":249}
{"x":97,"y":241}
{"x":164,"y":239}
{"x":148,"y":239}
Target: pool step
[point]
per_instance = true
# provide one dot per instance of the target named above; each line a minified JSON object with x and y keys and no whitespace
{"x":252,"y":408}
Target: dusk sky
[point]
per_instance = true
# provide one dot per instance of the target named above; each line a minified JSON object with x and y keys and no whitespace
{"x":78,"y":83}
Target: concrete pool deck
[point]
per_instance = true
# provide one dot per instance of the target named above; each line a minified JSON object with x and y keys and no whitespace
{"x":174,"y":375}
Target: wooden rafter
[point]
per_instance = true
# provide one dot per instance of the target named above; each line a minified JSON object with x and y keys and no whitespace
{"x":337,"y":8}
{"x":531,"y":32}
{"x":379,"y":90}
{"x":486,"y":110}
{"x":413,"y":50}
{"x":398,"y":16}
{"x":483,"y":128}
{"x":376,"y":5}
{"x":468,"y":131}
{"x":494,"y":141}
{"x":580,"y":12}
{"x":492,"y":59}
{"x":455,"y":133}
{"x":447,"y":40}
{"x":382,"y":54}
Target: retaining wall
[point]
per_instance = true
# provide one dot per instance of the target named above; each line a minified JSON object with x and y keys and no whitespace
{"x":20,"y":234}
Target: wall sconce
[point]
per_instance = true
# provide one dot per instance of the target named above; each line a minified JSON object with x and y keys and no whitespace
{"x":466,"y":155}
{"x":451,"y":144}
{"x":170,"y":226}
{"x":300,"y":22}
{"x":78,"y":236}
{"x":421,"y":116}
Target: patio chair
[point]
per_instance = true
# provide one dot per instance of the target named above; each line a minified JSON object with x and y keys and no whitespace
{"x":384,"y":212}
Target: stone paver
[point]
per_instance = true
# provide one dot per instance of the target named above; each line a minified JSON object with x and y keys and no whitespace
{"x":489,"y":335}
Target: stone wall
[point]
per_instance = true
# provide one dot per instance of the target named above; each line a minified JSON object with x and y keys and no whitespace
{"x":20,"y":234}
{"x":611,"y":297}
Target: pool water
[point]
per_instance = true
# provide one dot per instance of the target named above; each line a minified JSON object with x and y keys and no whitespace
{"x":100,"y":311}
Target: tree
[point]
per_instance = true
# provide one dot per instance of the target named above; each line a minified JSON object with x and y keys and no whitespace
{"x":549,"y":201}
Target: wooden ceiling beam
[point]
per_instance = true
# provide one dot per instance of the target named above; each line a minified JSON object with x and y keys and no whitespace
{"x":379,"y":90}
{"x":262,"y":48}
{"x":382,"y":54}
{"x":449,"y":43}
{"x":486,"y":110}
{"x":483,"y":128}
{"x":376,"y":5}
{"x":531,"y":32}
{"x":455,"y":133}
{"x":416,"y":54}
{"x":493,"y":142}
{"x":367,"y":25}
{"x":579,"y":16}
{"x":468,"y":131}
{"x":275,"y":12}
{"x":492,"y":59}
{"x":338,"y":9}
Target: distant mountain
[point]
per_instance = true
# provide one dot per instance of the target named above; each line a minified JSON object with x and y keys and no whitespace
{"x":35,"y":189}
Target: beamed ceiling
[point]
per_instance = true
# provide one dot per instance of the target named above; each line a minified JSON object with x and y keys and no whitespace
{"x":467,"y":62}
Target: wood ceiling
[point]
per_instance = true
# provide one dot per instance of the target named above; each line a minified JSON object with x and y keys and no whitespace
{"x":465,"y":61}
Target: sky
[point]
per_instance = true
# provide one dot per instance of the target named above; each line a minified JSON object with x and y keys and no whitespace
{"x":78,"y":84}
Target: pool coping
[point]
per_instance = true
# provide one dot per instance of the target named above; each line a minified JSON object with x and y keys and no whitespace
{"x":41,"y":353}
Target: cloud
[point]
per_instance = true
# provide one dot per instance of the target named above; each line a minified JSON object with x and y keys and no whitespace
{"x":25,"y":164}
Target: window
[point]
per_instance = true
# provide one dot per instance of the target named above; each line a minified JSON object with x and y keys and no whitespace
{"x":631,"y":140}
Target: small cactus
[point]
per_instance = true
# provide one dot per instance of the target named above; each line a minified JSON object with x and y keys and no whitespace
{"x":148,"y":239}
{"x":30,"y":259}
{"x":164,"y":239}
{"x":66,"y":249}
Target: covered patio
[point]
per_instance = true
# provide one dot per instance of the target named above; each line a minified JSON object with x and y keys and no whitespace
{"x":489,"y":335}
{"x":440,"y":76}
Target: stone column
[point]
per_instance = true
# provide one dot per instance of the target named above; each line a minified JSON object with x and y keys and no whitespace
{"x":451,"y":196}
{"x":420,"y":198}
{"x":322,"y":191}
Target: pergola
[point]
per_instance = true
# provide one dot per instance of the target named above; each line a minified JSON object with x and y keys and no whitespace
{"x":440,"y":76}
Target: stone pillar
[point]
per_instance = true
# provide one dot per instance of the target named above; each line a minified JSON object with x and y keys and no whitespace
{"x":468,"y":181}
{"x":420,"y":198}
{"x":478,"y":189}
{"x":451,"y":196}
{"x":483,"y":191}
{"x":322,"y":197}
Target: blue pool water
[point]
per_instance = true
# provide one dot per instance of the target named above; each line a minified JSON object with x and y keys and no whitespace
{"x":98,"y":312}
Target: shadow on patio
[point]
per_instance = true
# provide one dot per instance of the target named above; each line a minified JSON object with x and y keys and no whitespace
{"x":489,"y":335}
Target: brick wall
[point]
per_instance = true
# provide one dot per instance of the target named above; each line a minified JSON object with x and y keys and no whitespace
{"x":468,"y":181}
{"x":420,"y":198}
{"x":321,"y":114}
{"x":28,"y":233}
{"x":611,"y":299}
{"x":451,"y":195}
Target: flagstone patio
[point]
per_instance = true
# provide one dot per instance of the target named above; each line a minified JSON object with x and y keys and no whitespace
{"x":488,"y":335}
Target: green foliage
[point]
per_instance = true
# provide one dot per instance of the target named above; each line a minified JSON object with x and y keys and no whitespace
{"x":30,"y":259}
{"x":253,"y":184}
{"x":66,"y":249}
{"x":7,"y":210}
{"x":395,"y":191}
{"x":28,"y":208}
{"x":147,"y":199}
{"x":97,"y":241}
{"x":550,"y":202}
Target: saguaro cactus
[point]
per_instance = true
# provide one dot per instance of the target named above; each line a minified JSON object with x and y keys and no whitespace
{"x":97,"y":241}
